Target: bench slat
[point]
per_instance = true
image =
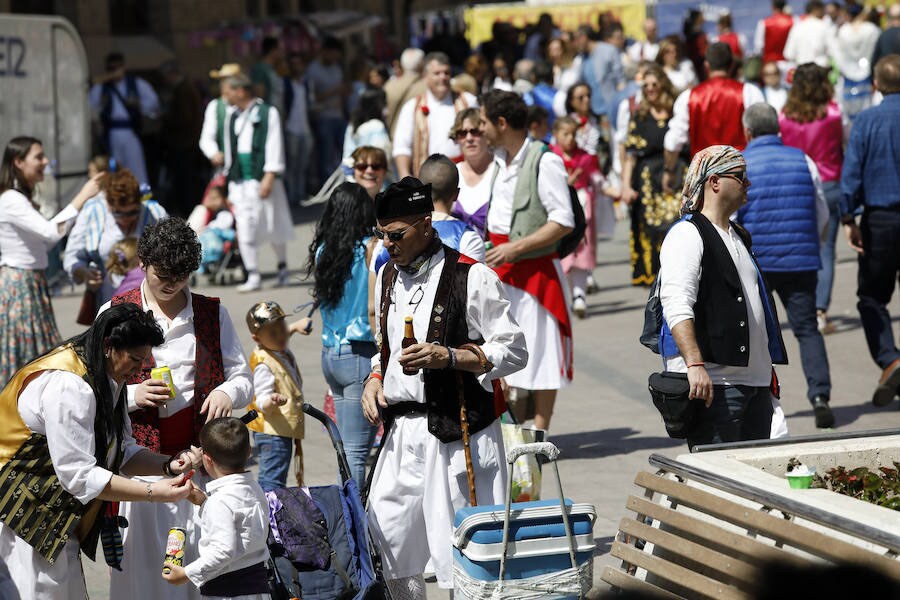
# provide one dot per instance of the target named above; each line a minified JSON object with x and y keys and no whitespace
{"x":623,"y":580}
{"x":698,"y":584}
{"x":777,"y":528}
{"x":710,"y":559}
{"x":710,"y":532}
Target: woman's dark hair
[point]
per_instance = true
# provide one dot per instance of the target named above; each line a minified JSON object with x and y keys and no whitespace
{"x":571,"y":94}
{"x":810,"y":93}
{"x":370,"y":105}
{"x":171,"y":247}
{"x":120,"y":327}
{"x":11,"y":177}
{"x":666,"y":90}
{"x":348,"y":219}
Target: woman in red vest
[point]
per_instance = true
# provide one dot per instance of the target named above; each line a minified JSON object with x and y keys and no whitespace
{"x":210,"y":377}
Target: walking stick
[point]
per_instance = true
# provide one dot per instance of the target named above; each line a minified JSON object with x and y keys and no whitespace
{"x":464,"y":426}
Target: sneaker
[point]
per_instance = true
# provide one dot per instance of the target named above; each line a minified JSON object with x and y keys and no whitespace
{"x":579,"y":307}
{"x":821,"y":410}
{"x":253,"y":283}
{"x":284,"y":277}
{"x":592,"y":287}
{"x":825,"y":326}
{"x":887,"y":385}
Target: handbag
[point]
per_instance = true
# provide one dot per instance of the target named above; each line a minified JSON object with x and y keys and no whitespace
{"x":670,"y":394}
{"x":653,"y":319}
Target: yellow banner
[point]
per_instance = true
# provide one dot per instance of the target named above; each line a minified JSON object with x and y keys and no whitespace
{"x":568,"y":17}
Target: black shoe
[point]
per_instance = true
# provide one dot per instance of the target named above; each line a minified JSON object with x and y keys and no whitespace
{"x":822,"y":412}
{"x":887,"y":385}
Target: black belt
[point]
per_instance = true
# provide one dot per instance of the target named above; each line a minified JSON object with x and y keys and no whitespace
{"x":249,"y":580}
{"x":402,"y":409}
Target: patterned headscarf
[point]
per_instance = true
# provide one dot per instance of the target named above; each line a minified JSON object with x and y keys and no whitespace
{"x":712,"y":160}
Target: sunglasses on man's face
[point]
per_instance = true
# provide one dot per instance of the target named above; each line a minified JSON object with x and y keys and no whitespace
{"x":394,"y":236}
{"x":361,"y":166}
{"x":462,"y":133}
{"x":739,"y":176}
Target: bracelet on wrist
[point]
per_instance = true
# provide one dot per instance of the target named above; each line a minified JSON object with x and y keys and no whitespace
{"x":696,"y":364}
{"x":149,"y":493}
{"x":374,"y":375}
{"x":452,"y":358}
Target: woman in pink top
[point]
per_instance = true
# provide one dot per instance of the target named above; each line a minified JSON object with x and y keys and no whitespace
{"x":812,"y":121}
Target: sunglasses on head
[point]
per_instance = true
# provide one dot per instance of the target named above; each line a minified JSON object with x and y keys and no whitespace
{"x":361,"y":166}
{"x":462,"y":133}
{"x":394,"y":236}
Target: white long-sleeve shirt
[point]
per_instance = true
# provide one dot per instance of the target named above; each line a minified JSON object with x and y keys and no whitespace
{"x":243,"y":126}
{"x":178,"y":352}
{"x":208,"y":144}
{"x":264,"y":380}
{"x":810,"y":40}
{"x":487,"y":316}
{"x":441,"y":114}
{"x":680,"y":123}
{"x":553,"y":189}
{"x":25,"y":235}
{"x":679,"y":276}
{"x":234,"y":524}
{"x":69,"y":427}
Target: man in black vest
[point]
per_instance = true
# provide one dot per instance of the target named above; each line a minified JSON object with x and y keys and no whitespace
{"x":717,"y":310}
{"x":467,"y":341}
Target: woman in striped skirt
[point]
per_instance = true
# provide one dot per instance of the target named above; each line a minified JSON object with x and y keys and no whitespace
{"x":27,"y":325}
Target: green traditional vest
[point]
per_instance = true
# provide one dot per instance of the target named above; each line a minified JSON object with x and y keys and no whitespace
{"x":221,"y":112}
{"x":33,"y":503}
{"x":528,"y":213}
{"x":250,"y":166}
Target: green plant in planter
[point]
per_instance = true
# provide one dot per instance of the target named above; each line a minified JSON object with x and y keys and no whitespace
{"x":881,"y":487}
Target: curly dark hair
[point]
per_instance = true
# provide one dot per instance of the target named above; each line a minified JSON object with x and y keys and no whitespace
{"x":171,"y":247}
{"x":121,"y":327}
{"x":346,"y":223}
{"x":810,"y":94}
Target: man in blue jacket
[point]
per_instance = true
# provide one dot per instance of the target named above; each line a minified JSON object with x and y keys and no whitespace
{"x":870,"y":182}
{"x":785,"y":213}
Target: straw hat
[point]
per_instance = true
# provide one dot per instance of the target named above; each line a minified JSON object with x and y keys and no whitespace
{"x":227,"y":70}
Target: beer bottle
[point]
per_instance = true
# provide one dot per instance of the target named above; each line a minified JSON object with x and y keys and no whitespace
{"x":409,"y":338}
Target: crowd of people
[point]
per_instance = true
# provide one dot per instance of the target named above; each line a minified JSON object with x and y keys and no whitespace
{"x":463,"y":201}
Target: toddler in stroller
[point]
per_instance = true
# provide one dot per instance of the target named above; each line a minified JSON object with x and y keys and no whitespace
{"x":214,"y":224}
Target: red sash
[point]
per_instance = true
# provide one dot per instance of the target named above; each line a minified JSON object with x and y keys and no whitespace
{"x":715,"y":108}
{"x":539,"y":277}
{"x":177,"y":432}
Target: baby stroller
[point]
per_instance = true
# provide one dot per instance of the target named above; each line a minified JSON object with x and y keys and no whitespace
{"x":319,"y":541}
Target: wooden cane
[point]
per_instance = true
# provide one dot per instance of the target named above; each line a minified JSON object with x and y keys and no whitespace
{"x":464,"y":426}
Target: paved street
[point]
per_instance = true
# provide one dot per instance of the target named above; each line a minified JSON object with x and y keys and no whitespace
{"x":605,"y":424}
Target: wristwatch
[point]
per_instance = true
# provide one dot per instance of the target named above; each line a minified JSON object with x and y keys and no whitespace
{"x":848,"y":219}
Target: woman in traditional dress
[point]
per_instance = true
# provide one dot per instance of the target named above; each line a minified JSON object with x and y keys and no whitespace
{"x":27,"y":324}
{"x":578,"y":106}
{"x":475,"y":170}
{"x":116,"y":213}
{"x":210,"y":377}
{"x":66,"y":431}
{"x":652,"y":210}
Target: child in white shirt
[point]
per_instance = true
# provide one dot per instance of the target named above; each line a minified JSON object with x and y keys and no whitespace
{"x":234,"y":520}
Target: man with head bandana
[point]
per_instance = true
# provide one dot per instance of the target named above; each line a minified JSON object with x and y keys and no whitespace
{"x":467,"y":341}
{"x":720,"y":322}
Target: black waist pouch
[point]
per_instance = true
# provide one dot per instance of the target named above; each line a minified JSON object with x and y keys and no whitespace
{"x":669,"y":392}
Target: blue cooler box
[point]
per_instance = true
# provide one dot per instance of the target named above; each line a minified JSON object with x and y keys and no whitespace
{"x":538,"y":548}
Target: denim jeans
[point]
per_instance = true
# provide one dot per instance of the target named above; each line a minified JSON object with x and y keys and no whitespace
{"x":345,"y":368}
{"x":737,"y":413}
{"x":832,"y":191}
{"x":275,"y":455}
{"x":297,"y":150}
{"x":329,"y":144}
{"x":797,"y":291}
{"x":879,"y":272}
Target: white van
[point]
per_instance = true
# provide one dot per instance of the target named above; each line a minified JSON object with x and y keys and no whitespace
{"x":44,"y":80}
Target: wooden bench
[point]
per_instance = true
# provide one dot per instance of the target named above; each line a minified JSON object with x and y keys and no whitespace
{"x":686,"y":542}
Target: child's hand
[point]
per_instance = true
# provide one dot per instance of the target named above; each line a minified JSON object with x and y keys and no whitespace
{"x":574,"y":175}
{"x":302,"y":326}
{"x":196,"y":495}
{"x":176,"y":575}
{"x":278,"y":399}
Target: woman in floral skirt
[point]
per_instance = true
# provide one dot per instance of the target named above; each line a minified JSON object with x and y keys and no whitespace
{"x":27,"y":325}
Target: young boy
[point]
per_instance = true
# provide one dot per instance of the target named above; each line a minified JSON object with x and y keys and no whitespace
{"x":234,"y":520}
{"x":538,"y":123}
{"x":278,"y":391}
{"x":214,"y":225}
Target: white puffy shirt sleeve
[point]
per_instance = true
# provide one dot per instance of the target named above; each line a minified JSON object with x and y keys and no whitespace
{"x":218,"y":542}
{"x":403,"y":130}
{"x":263,"y":386}
{"x":679,"y":272}
{"x":238,"y":384}
{"x":553,"y":190}
{"x":208,"y":144}
{"x":488,"y":317}
{"x":274,"y":144}
{"x":677,"y":136}
{"x":62,"y":406}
